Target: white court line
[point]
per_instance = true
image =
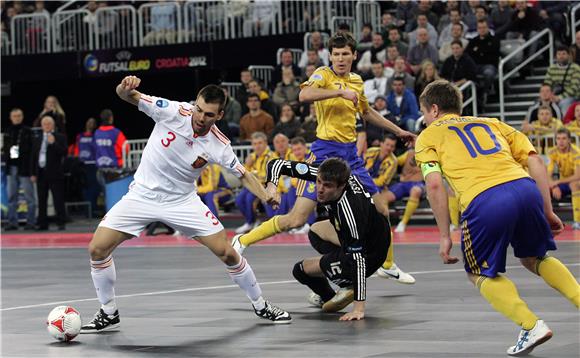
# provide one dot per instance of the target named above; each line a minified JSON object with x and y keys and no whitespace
{"x":196,"y":289}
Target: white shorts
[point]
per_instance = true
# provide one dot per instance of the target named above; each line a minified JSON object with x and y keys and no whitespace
{"x":190,"y":216}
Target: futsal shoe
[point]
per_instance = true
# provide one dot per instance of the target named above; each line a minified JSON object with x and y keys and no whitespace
{"x":244,"y":228}
{"x":102,"y":322}
{"x":395,"y":273}
{"x":401,"y":227}
{"x":343,"y":297}
{"x":274,"y":314}
{"x":237,"y":245}
{"x":315,"y":300}
{"x":304,"y":229}
{"x":528,"y":340}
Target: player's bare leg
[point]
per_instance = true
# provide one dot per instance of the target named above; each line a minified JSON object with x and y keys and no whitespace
{"x":101,"y":247}
{"x":390,"y":269}
{"x":296,"y":218}
{"x":243,"y":275}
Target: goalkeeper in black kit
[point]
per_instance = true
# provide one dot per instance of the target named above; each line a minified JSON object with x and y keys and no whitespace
{"x":360,"y":230}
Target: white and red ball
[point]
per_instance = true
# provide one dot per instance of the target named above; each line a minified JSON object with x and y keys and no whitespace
{"x":63,"y":323}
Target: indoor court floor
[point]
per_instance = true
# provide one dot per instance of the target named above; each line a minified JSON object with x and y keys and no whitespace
{"x":176,"y":300}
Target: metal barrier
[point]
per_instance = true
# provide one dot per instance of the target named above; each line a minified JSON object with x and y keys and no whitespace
{"x":72,"y":30}
{"x":232,"y":87}
{"x":296,"y":55}
{"x":260,"y":18}
{"x":262,"y":73}
{"x":340,"y":8}
{"x":159,"y":24}
{"x":336,"y":21}
{"x":302,"y":16}
{"x":116,"y":27}
{"x":205,"y":21}
{"x":472,"y":99}
{"x":504,"y":77}
{"x":368,"y":12}
{"x":31,"y":34}
{"x":574,"y":23}
{"x":325,"y":38}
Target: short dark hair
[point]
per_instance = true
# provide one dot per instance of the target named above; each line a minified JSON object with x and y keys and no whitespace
{"x":106,"y":116}
{"x":342,"y":40}
{"x":399,"y":78}
{"x":456,"y":10}
{"x":459,"y":24}
{"x":457,"y":42}
{"x":344,"y":26}
{"x":377,"y":62}
{"x":298,"y":140}
{"x":252,"y":95}
{"x":368,"y":24}
{"x":563,"y":48}
{"x":213,"y":94}
{"x":444,"y":94}
{"x":335,"y":170}
{"x":16,"y":109}
{"x":565,"y":131}
{"x":481,"y":7}
{"x":389,"y":136}
{"x":482,"y":21}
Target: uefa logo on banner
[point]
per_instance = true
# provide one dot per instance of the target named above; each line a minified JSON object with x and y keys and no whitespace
{"x":91,"y":63}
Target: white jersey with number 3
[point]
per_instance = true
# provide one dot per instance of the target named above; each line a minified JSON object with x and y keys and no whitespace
{"x":174,"y":156}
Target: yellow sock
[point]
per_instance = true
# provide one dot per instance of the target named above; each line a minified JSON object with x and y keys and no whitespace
{"x":390,"y":255}
{"x":503,"y":295}
{"x":576,"y":205}
{"x":454,"y":210}
{"x":262,"y":232}
{"x":557,"y":275}
{"x":412,"y":205}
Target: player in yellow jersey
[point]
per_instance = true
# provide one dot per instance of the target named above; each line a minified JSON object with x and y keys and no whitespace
{"x":338,"y":97}
{"x":565,"y":157}
{"x":212,"y":189}
{"x":256,"y":164}
{"x":574,"y":126}
{"x":381,"y":162}
{"x":483,"y":160}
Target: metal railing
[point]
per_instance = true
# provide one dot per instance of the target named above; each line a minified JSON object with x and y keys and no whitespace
{"x":115,"y":27}
{"x":232,"y":87}
{"x":302,"y":16}
{"x":336,"y":21}
{"x":325,"y":38}
{"x":262,"y":73}
{"x":31,"y":34}
{"x":574,"y":23}
{"x":502,"y":63}
{"x":205,"y":21}
{"x":296,"y":55}
{"x":72,"y":30}
{"x":368,"y":12}
{"x":159,"y":24}
{"x":472,"y":99}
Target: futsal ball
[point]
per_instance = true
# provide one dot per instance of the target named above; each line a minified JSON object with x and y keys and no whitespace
{"x":63,"y":323}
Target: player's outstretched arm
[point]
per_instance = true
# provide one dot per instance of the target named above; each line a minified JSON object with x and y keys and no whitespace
{"x":375,"y":118}
{"x":250,"y":182}
{"x":126,"y":90}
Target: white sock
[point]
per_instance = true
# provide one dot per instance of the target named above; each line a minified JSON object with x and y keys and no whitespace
{"x":244,"y":277}
{"x":104,"y":277}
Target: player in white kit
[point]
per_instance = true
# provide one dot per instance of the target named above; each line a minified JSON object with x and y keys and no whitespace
{"x":182,"y":143}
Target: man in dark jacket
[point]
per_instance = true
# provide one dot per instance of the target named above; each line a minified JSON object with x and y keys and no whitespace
{"x":16,"y":155}
{"x":458,"y":68}
{"x":484,"y":50}
{"x":48,"y":153}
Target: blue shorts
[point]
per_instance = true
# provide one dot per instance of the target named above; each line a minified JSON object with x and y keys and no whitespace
{"x":403,"y":189}
{"x":565,"y":189}
{"x":324,"y":149}
{"x":509,"y":213}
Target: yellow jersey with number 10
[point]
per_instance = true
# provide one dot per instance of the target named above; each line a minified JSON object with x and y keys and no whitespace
{"x":474,"y":153}
{"x":337,"y":116}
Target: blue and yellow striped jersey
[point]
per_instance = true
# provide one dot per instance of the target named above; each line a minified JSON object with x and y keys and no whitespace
{"x":382,"y":171}
{"x":258,"y":164}
{"x":566,"y":161}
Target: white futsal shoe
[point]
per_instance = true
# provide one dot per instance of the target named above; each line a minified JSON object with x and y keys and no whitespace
{"x":401,"y":227}
{"x":237,"y":245}
{"x":528,"y":340}
{"x":244,"y":228}
{"x":315,"y":300}
{"x":395,"y":273}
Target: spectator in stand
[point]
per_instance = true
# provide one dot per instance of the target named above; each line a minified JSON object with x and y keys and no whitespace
{"x":242,"y":97}
{"x":308,"y":71}
{"x":91,"y":17}
{"x":424,"y":8}
{"x":575,"y":49}
{"x":261,"y":17}
{"x":395,"y":40}
{"x":287,"y":91}
{"x":570,"y":113}
{"x":16,"y":153}
{"x":209,"y":189}
{"x":308,"y":127}
{"x":456,"y":35}
{"x":84,"y":149}
{"x":53,"y":109}
{"x":501,"y":17}
{"x":107,"y":26}
{"x":403,"y":105}
{"x":377,"y":52}
{"x":405,"y":15}
{"x":459,"y":68}
{"x":574,"y":125}
{"x":312,"y":58}
{"x":316,"y":43}
{"x":392,"y":55}
{"x":110,"y":142}
{"x":366,"y":38}
{"x":289,"y":124}
{"x":468,"y":10}
{"x":445,"y":19}
{"x":48,"y":153}
{"x":376,"y":86}
{"x":427,"y":75}
{"x":480,"y":14}
{"x":400,"y":72}
{"x":232,"y":115}
{"x":545,"y":100}
{"x":374,"y":133}
{"x":257,"y":120}
{"x":281,"y":145}
{"x":387,"y":21}
{"x":484,"y":50}
{"x":266,"y":104}
{"x":422,"y":51}
{"x":162,"y":22}
{"x":564,"y":77}
{"x":423,"y":23}
{"x":546,"y":124}
{"x":526,"y":22}
{"x":446,"y":35}
{"x":286,"y":61}
{"x":553,"y":14}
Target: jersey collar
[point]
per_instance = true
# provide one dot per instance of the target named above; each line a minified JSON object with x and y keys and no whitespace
{"x":445,"y":117}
